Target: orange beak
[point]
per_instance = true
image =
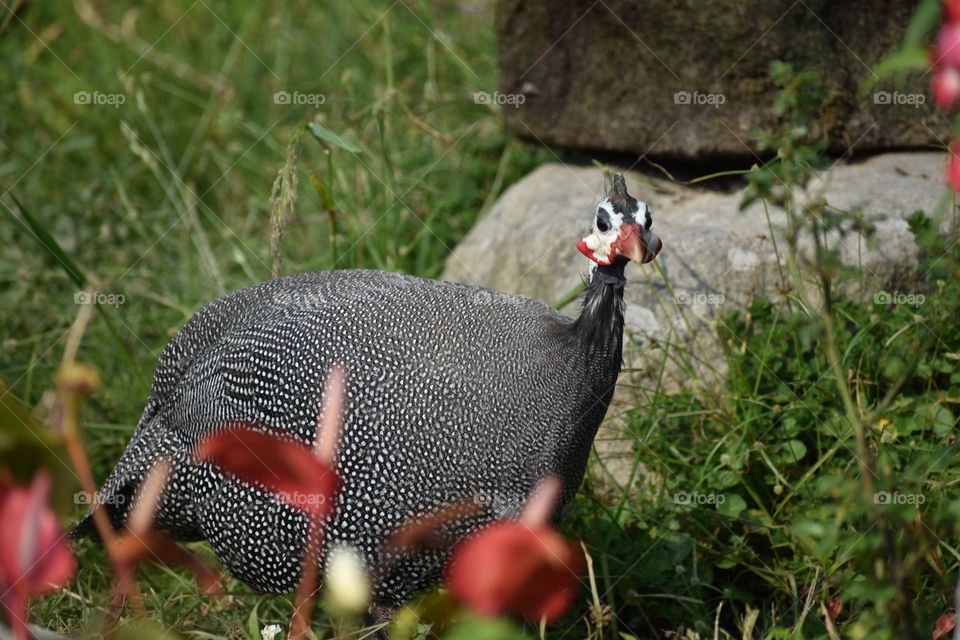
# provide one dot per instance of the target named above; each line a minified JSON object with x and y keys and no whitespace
{"x":633,"y":244}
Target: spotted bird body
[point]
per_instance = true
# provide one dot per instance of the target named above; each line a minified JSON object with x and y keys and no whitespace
{"x":453,"y":392}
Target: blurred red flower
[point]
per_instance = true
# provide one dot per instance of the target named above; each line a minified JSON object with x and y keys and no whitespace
{"x":945,"y":87}
{"x":953,"y":168}
{"x":947,"y":48}
{"x":34,"y":556}
{"x":951,"y":9}
{"x":944,"y":625}
{"x":512,"y":568}
{"x":133,"y":548}
{"x":290,"y":470}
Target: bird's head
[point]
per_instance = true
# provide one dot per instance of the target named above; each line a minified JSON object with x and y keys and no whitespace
{"x":621,"y":229}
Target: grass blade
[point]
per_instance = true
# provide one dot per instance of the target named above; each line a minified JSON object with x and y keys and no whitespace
{"x":32,"y":226}
{"x":323,"y":134}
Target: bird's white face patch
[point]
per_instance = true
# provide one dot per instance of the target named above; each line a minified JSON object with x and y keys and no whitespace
{"x":606,"y":230}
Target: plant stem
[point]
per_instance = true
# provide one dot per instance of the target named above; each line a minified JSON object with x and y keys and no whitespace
{"x":306,"y":592}
{"x":74,"y":383}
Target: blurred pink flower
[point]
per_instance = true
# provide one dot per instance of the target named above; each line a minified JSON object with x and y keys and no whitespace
{"x":511,"y":568}
{"x":951,"y":10}
{"x":34,"y":556}
{"x":946,"y":87}
{"x":944,"y":625}
{"x":524,"y":568}
{"x":948,"y":45}
{"x":953,"y":168}
{"x":292,"y":471}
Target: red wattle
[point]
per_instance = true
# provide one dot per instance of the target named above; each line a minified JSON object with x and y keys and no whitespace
{"x":582,"y":248}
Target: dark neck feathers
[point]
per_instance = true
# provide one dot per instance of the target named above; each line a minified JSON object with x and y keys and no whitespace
{"x":599,"y":329}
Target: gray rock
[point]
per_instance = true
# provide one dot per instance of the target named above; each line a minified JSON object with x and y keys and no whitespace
{"x":715,"y":258}
{"x":690,"y":78}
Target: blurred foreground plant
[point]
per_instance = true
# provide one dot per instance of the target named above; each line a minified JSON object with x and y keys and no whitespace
{"x":35,"y":558}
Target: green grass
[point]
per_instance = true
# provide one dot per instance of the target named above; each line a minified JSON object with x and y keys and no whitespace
{"x":166,"y":200}
{"x":818,"y":474}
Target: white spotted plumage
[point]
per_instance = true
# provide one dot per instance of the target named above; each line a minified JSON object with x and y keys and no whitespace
{"x":447,"y":399}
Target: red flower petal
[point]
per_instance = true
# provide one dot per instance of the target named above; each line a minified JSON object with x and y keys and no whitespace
{"x":953,"y":168}
{"x":289,"y":469}
{"x":945,"y":87}
{"x":951,"y":10}
{"x":511,"y":568}
{"x":34,"y":555}
{"x":834,"y":607}
{"x":944,"y":625}
{"x":948,"y":45}
{"x":16,"y":608}
{"x":156,"y":547}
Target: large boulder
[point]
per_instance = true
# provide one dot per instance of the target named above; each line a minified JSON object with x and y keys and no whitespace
{"x":690,"y":78}
{"x":715,"y":258}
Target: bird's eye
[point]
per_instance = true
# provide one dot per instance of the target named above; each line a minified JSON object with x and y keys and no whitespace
{"x":603,"y":224}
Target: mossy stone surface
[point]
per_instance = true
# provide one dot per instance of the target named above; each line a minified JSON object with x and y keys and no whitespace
{"x":604,"y":75}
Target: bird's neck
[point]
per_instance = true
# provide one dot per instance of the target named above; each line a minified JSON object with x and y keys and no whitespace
{"x":599,"y":329}
{"x":596,"y":351}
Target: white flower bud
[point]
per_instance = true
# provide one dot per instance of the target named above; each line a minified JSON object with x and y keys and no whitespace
{"x":346,"y":581}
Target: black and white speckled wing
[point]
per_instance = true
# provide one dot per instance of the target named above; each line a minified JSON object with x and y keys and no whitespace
{"x":453,"y":392}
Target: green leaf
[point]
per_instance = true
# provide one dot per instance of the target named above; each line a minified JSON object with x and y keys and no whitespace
{"x":939,"y":417}
{"x":47,"y":241}
{"x":475,"y":628}
{"x":927,"y":15}
{"x":912,"y":59}
{"x":253,"y":623}
{"x":793,"y":451}
{"x":733,"y":505}
{"x":327,"y":136}
{"x":809,"y":529}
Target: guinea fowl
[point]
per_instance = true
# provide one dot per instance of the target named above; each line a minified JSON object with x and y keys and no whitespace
{"x":453,"y":392}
